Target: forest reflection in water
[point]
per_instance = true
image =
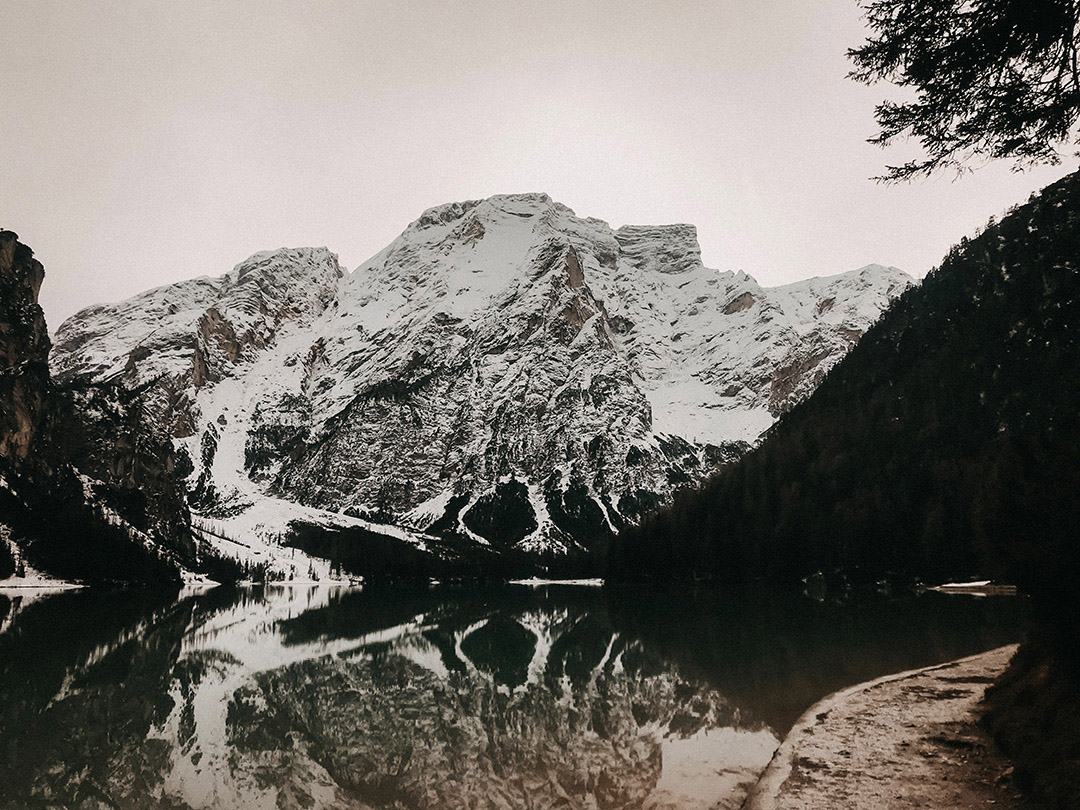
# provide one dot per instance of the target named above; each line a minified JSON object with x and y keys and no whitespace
{"x":471,"y":697}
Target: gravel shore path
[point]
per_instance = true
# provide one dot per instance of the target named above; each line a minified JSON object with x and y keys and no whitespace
{"x":903,"y":741}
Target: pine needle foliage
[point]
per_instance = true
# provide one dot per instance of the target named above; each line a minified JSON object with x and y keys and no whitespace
{"x":991,"y":79}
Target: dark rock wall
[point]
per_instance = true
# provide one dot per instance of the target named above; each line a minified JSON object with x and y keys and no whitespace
{"x":24,"y":349}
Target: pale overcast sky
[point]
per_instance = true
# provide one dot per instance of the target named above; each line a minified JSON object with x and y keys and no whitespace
{"x":146,"y":142}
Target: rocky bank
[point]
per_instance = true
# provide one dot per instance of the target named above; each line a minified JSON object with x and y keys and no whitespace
{"x":903,"y":741}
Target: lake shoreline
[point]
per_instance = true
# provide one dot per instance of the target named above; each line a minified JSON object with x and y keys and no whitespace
{"x":911,"y":739}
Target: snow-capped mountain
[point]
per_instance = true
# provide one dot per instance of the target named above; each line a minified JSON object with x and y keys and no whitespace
{"x":504,"y":372}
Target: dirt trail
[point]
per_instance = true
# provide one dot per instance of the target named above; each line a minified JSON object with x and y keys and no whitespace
{"x":902,"y":741}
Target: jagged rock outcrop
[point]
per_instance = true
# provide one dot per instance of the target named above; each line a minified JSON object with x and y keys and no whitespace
{"x":505,"y":373}
{"x":24,"y":369}
{"x":24,"y":349}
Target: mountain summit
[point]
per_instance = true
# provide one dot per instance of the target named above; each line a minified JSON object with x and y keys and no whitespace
{"x":504,"y":373}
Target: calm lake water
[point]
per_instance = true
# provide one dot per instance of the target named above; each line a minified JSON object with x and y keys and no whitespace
{"x":446,"y":697}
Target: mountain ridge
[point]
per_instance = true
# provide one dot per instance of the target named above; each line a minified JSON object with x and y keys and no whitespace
{"x":939,"y":448}
{"x":501,"y":362}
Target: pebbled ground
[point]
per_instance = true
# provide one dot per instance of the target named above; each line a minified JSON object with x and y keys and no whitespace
{"x":910,"y":740}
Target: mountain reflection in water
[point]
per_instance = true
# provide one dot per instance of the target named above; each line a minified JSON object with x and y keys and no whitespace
{"x":445,"y":697}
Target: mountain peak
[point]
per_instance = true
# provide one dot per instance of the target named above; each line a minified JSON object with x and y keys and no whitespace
{"x":285,"y":258}
{"x":503,"y":370}
{"x":522,"y":205}
{"x":878,"y":272}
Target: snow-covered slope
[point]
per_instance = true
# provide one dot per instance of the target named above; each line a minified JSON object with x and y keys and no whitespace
{"x":505,"y":372}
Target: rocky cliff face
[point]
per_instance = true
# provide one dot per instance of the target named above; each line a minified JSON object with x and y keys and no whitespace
{"x":505,"y":373}
{"x":24,"y":349}
{"x":24,"y":369}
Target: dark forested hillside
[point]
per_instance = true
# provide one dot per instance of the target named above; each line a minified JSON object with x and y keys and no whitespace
{"x":946,"y":444}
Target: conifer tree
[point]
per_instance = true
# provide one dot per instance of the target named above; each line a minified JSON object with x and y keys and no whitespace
{"x":992,"y":78}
